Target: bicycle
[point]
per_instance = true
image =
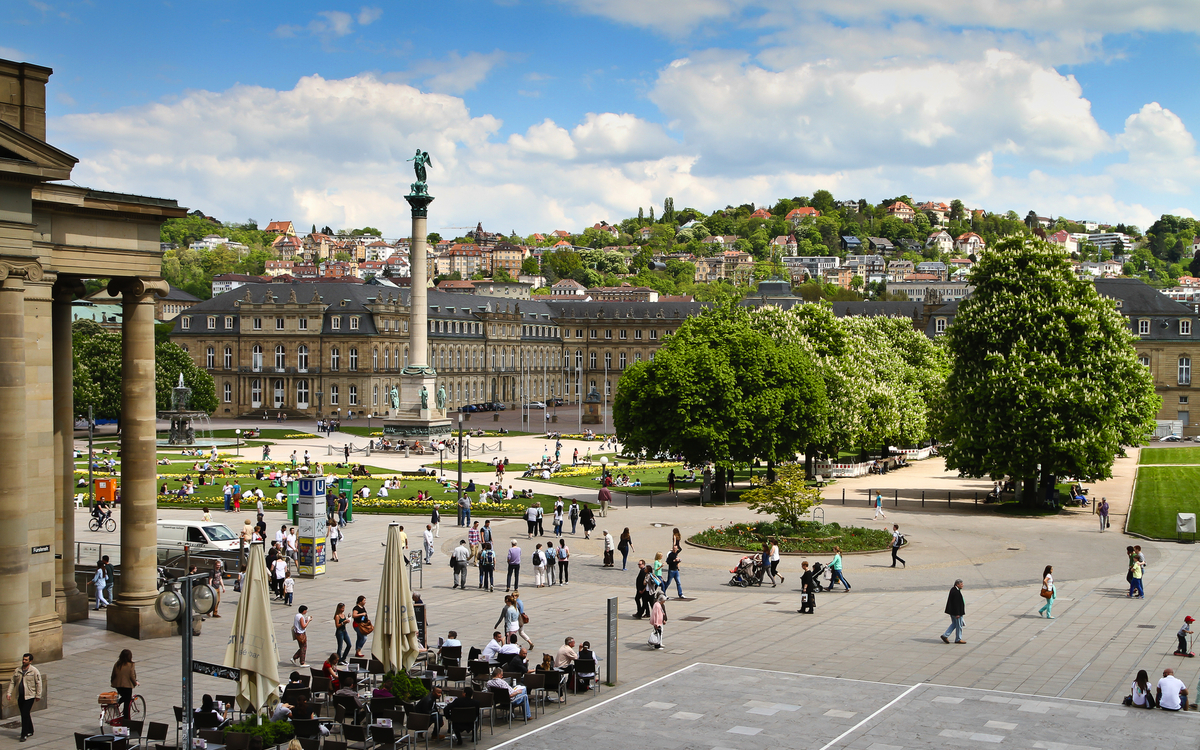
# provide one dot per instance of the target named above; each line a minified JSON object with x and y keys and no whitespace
{"x":111,"y":713}
{"x":108,"y":524}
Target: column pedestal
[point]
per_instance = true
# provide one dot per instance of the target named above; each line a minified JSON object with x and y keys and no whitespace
{"x":132,"y":613}
{"x":412,"y":421}
{"x":70,"y":603}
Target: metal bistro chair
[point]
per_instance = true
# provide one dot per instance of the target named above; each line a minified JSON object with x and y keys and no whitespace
{"x":450,"y":656}
{"x":212,"y":736}
{"x":307,"y":728}
{"x":554,"y":679}
{"x":480,"y":672}
{"x":457,"y":675}
{"x":464,"y":716}
{"x":356,"y":736}
{"x":385,"y":736}
{"x":419,"y":724}
{"x":309,"y":744}
{"x":156,"y":732}
{"x":502,"y":701}
{"x":486,"y":702}
{"x":587,"y":666}
{"x":535,"y":688}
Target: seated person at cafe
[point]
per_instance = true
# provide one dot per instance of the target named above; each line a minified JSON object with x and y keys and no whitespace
{"x":508,"y":649}
{"x":207,"y":716}
{"x":329,"y":669}
{"x":565,"y":659}
{"x":586,"y":653}
{"x":466,"y":700}
{"x":515,"y":693}
{"x":451,"y":639}
{"x":428,"y":705}
{"x":518,"y":662}
{"x":492,"y":650}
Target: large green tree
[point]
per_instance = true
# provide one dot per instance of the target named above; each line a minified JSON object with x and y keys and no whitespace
{"x":1045,"y":381}
{"x":719,"y":390}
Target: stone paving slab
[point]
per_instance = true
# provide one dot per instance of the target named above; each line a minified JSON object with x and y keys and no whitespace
{"x":712,"y":707}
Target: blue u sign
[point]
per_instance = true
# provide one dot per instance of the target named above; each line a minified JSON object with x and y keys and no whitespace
{"x":306,"y":486}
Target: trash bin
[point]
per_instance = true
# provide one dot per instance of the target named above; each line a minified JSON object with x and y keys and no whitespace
{"x":105,"y":490}
{"x":293,"y":496}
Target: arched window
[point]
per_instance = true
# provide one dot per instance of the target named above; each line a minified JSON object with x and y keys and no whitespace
{"x":334,"y":394}
{"x":228,"y":358}
{"x":302,"y":358}
{"x":280,"y":357}
{"x":353,"y":359}
{"x":279,"y":394}
{"x":256,"y":393}
{"x":592,"y":361}
{"x":406,"y":356}
{"x":352,"y":392}
{"x":301,"y":394}
{"x":374,"y":358}
{"x":335,"y":358}
{"x":210,"y":358}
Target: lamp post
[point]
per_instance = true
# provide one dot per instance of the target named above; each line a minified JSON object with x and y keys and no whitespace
{"x":184,"y":598}
{"x":460,"y":444}
{"x":603,"y":469}
{"x":320,"y":402}
{"x":238,"y":434}
{"x":369,"y":426}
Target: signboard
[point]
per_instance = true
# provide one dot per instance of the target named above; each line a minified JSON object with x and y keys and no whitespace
{"x":419,"y":613}
{"x":216,"y":670}
{"x":312,"y":556}
{"x":312,"y":528}
{"x":612,"y":640}
{"x":312,"y":487}
{"x":39,"y":549}
{"x":306,"y":507}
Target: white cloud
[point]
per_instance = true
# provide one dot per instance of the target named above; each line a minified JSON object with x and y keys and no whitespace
{"x":456,"y":74}
{"x":368,"y":16}
{"x":1162,"y":153}
{"x":330,"y":24}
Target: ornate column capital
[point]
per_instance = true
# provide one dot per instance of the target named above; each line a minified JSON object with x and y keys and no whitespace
{"x":27,"y":268}
{"x":68,"y":289}
{"x":137,"y":286}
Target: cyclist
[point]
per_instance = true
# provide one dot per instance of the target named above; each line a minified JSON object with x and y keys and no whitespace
{"x":101,"y":512}
{"x":124,"y":680}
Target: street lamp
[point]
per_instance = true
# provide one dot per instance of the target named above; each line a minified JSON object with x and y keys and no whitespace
{"x":184,"y":598}
{"x":369,"y":425}
{"x":238,"y":434}
{"x":460,"y":444}
{"x":320,"y":402}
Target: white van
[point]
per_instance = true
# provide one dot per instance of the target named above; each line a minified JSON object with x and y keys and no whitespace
{"x":202,"y":537}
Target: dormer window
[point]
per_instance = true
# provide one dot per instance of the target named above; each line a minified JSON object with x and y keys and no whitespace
{"x":354,"y":323}
{"x":212,"y":322}
{"x":1143,"y":327}
{"x":1185,"y":327}
{"x":335,"y":323}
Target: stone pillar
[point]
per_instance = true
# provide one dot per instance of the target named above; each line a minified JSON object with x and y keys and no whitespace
{"x":69,"y":601}
{"x":418,"y":373}
{"x":14,"y":537}
{"x":132,"y":613}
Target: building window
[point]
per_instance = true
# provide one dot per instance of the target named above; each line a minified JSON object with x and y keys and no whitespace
{"x":1143,"y":328}
{"x":210,"y":358}
{"x":578,"y":333}
{"x":621,"y":360}
{"x":302,"y":359}
{"x":256,"y":393}
{"x":303,"y":323}
{"x":387,"y":359}
{"x":301,"y":394}
{"x":939,"y":325}
{"x":608,"y":333}
{"x":593,"y":333}
{"x":374,"y":395}
{"x":607,"y":387}
{"x":258,"y":324}
{"x":592,"y":360}
{"x":374,"y":359}
{"x":335,"y":323}
{"x":256,"y":358}
{"x":228,"y":358}
{"x":212,"y":322}
{"x":228,"y":393}
{"x":187,"y":323}
{"x":1185,"y":370}
{"x":1183,"y":399}
{"x":353,"y":322}
{"x":335,"y":358}
{"x":228,"y":322}
{"x":637,"y":335}
{"x":280,"y":357}
{"x":279,"y":394}
{"x":1185,"y":328}
{"x":353,"y":360}
{"x":608,"y":360}
{"x":623,"y":335}
{"x":333,"y":395}
{"x":653,"y":335}
{"x":637,"y":357}
{"x":279,"y":324}
{"x":352,"y":394}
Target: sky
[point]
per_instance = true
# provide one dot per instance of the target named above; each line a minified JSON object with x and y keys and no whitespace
{"x":563,"y":113}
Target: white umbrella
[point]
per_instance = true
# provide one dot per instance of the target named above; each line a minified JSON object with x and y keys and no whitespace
{"x":395,"y":644}
{"x":252,"y":647}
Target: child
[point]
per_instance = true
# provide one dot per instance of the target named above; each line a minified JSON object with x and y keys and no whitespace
{"x":1182,"y":636}
{"x":237,"y":502}
{"x":289,"y":586}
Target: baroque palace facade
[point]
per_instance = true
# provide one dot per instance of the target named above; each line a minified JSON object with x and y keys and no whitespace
{"x":337,"y":349}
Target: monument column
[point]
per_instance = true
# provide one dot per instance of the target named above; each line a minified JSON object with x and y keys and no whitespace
{"x":14,"y":549}
{"x":69,"y":601}
{"x":132,"y":613}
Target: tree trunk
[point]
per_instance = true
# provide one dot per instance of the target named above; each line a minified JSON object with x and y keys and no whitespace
{"x":770,"y":472}
{"x":1027,"y":491}
{"x":720,"y":482}
{"x":808,"y":462}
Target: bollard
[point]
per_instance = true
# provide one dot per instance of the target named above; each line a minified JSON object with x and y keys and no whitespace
{"x":948,"y":505}
{"x":922,"y":498}
{"x":896,"y":498}
{"x":406,"y":451}
{"x":626,"y":499}
{"x":977,"y":498}
{"x":651,"y":498}
{"x":843,"y":496}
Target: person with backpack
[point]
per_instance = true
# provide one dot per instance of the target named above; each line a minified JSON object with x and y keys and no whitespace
{"x":487,"y":567}
{"x":539,"y":566}
{"x":573,"y":514}
{"x":564,"y":561}
{"x":898,"y":541}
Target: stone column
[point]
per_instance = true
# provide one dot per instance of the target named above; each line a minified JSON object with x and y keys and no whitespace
{"x":14,"y":537}
{"x":419,"y":373}
{"x":69,"y":601}
{"x":132,"y":613}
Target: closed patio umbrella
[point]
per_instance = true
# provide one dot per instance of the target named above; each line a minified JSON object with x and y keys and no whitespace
{"x":252,"y":647}
{"x":395,"y":644}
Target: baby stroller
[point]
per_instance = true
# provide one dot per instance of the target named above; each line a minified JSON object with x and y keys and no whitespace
{"x":821,"y":576}
{"x":749,"y":572}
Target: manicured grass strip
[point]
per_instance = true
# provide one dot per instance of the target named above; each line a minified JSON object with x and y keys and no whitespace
{"x":810,"y":538}
{"x":1161,"y":492}
{"x":1173,"y":455}
{"x":652,"y":476}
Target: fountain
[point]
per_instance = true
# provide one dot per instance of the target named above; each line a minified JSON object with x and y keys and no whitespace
{"x":184,"y":420}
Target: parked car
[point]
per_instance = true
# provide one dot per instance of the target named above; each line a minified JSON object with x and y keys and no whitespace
{"x":497,"y":406}
{"x":1172,"y":439}
{"x":535,"y":405}
{"x":556,"y":402}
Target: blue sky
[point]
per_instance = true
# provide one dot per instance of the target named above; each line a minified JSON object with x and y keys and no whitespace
{"x":544,"y":115}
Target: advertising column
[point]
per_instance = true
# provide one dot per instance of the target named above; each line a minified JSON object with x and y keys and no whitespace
{"x":310,"y":518}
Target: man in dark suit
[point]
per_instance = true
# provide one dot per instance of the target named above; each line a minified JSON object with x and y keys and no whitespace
{"x":956,"y":608}
{"x":466,"y":700}
{"x":642,"y":599}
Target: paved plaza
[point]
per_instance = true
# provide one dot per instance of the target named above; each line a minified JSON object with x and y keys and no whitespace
{"x":864,"y":648}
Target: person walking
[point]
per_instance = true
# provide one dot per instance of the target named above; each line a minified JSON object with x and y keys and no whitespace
{"x":513,"y":579}
{"x":640,"y":595}
{"x":25,"y":688}
{"x":474,"y":542}
{"x":1102,"y":511}
{"x":333,"y":534}
{"x":879,"y":507}
{"x":766,"y":562}
{"x":530,"y":521}
{"x":564,"y":563}
{"x":216,"y":579}
{"x":625,"y":546}
{"x":609,"y":548}
{"x":808,"y":590}
{"x":460,"y":557}
{"x":487,"y":567}
{"x":510,"y":616}
{"x":300,"y":636}
{"x":588,"y":519}
{"x":101,"y":584}
{"x":671,"y":481}
{"x":558,"y":518}
{"x":1135,"y":581}
{"x":435,"y":521}
{"x":362,"y":625}
{"x":539,"y":520}
{"x":673,"y":572}
{"x":835,"y":570}
{"x":898,"y":541}
{"x":658,"y":619}
{"x":573,"y":514}
{"x":428,"y":543}
{"x":775,"y":559}
{"x":539,"y":566}
{"x":124,"y":680}
{"x":957,"y":609}
{"x":1048,"y":592}
{"x":340,"y":622}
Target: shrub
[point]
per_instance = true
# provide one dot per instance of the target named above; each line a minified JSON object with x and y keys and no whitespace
{"x":405,"y":688}
{"x":271,"y":732}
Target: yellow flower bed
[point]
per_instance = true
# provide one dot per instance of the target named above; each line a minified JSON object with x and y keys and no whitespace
{"x":301,"y":435}
{"x":595,"y":469}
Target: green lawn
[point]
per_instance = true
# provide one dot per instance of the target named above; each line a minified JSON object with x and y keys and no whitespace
{"x":268,"y":433}
{"x":1161,"y":492}
{"x":653,"y":478}
{"x":451,"y":464}
{"x":1180,"y":455}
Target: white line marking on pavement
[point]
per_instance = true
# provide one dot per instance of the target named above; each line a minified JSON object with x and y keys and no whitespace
{"x":890,"y":703}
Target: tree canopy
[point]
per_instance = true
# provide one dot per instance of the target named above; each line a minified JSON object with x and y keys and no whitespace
{"x":1044,"y":372}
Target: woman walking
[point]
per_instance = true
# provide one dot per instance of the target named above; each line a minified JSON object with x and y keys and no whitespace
{"x":775,"y":559}
{"x":362,"y":625}
{"x":539,"y":567}
{"x":564,"y":562}
{"x":588,"y":519}
{"x":334,"y":535}
{"x":487,"y":566}
{"x":216,"y":579}
{"x":656,"y":572}
{"x":658,"y":618}
{"x":100,"y":582}
{"x":1048,"y":592}
{"x":808,"y":590}
{"x":124,"y":680}
{"x":766,"y":562}
{"x":625,"y":545}
{"x":340,"y":621}
{"x":510,"y":617}
{"x":835,"y":570}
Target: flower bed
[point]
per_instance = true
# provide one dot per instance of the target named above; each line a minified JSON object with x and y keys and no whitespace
{"x":808,"y":538}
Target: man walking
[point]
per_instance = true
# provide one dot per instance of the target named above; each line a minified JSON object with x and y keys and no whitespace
{"x":956,"y":608}
{"x":879,"y":507}
{"x":428,"y":543}
{"x":475,"y":542}
{"x":460,"y":555}
{"x":26,"y":688}
{"x":897,"y":543}
{"x":1102,"y":509}
{"x":514,"y":567}
{"x":640,"y":595}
